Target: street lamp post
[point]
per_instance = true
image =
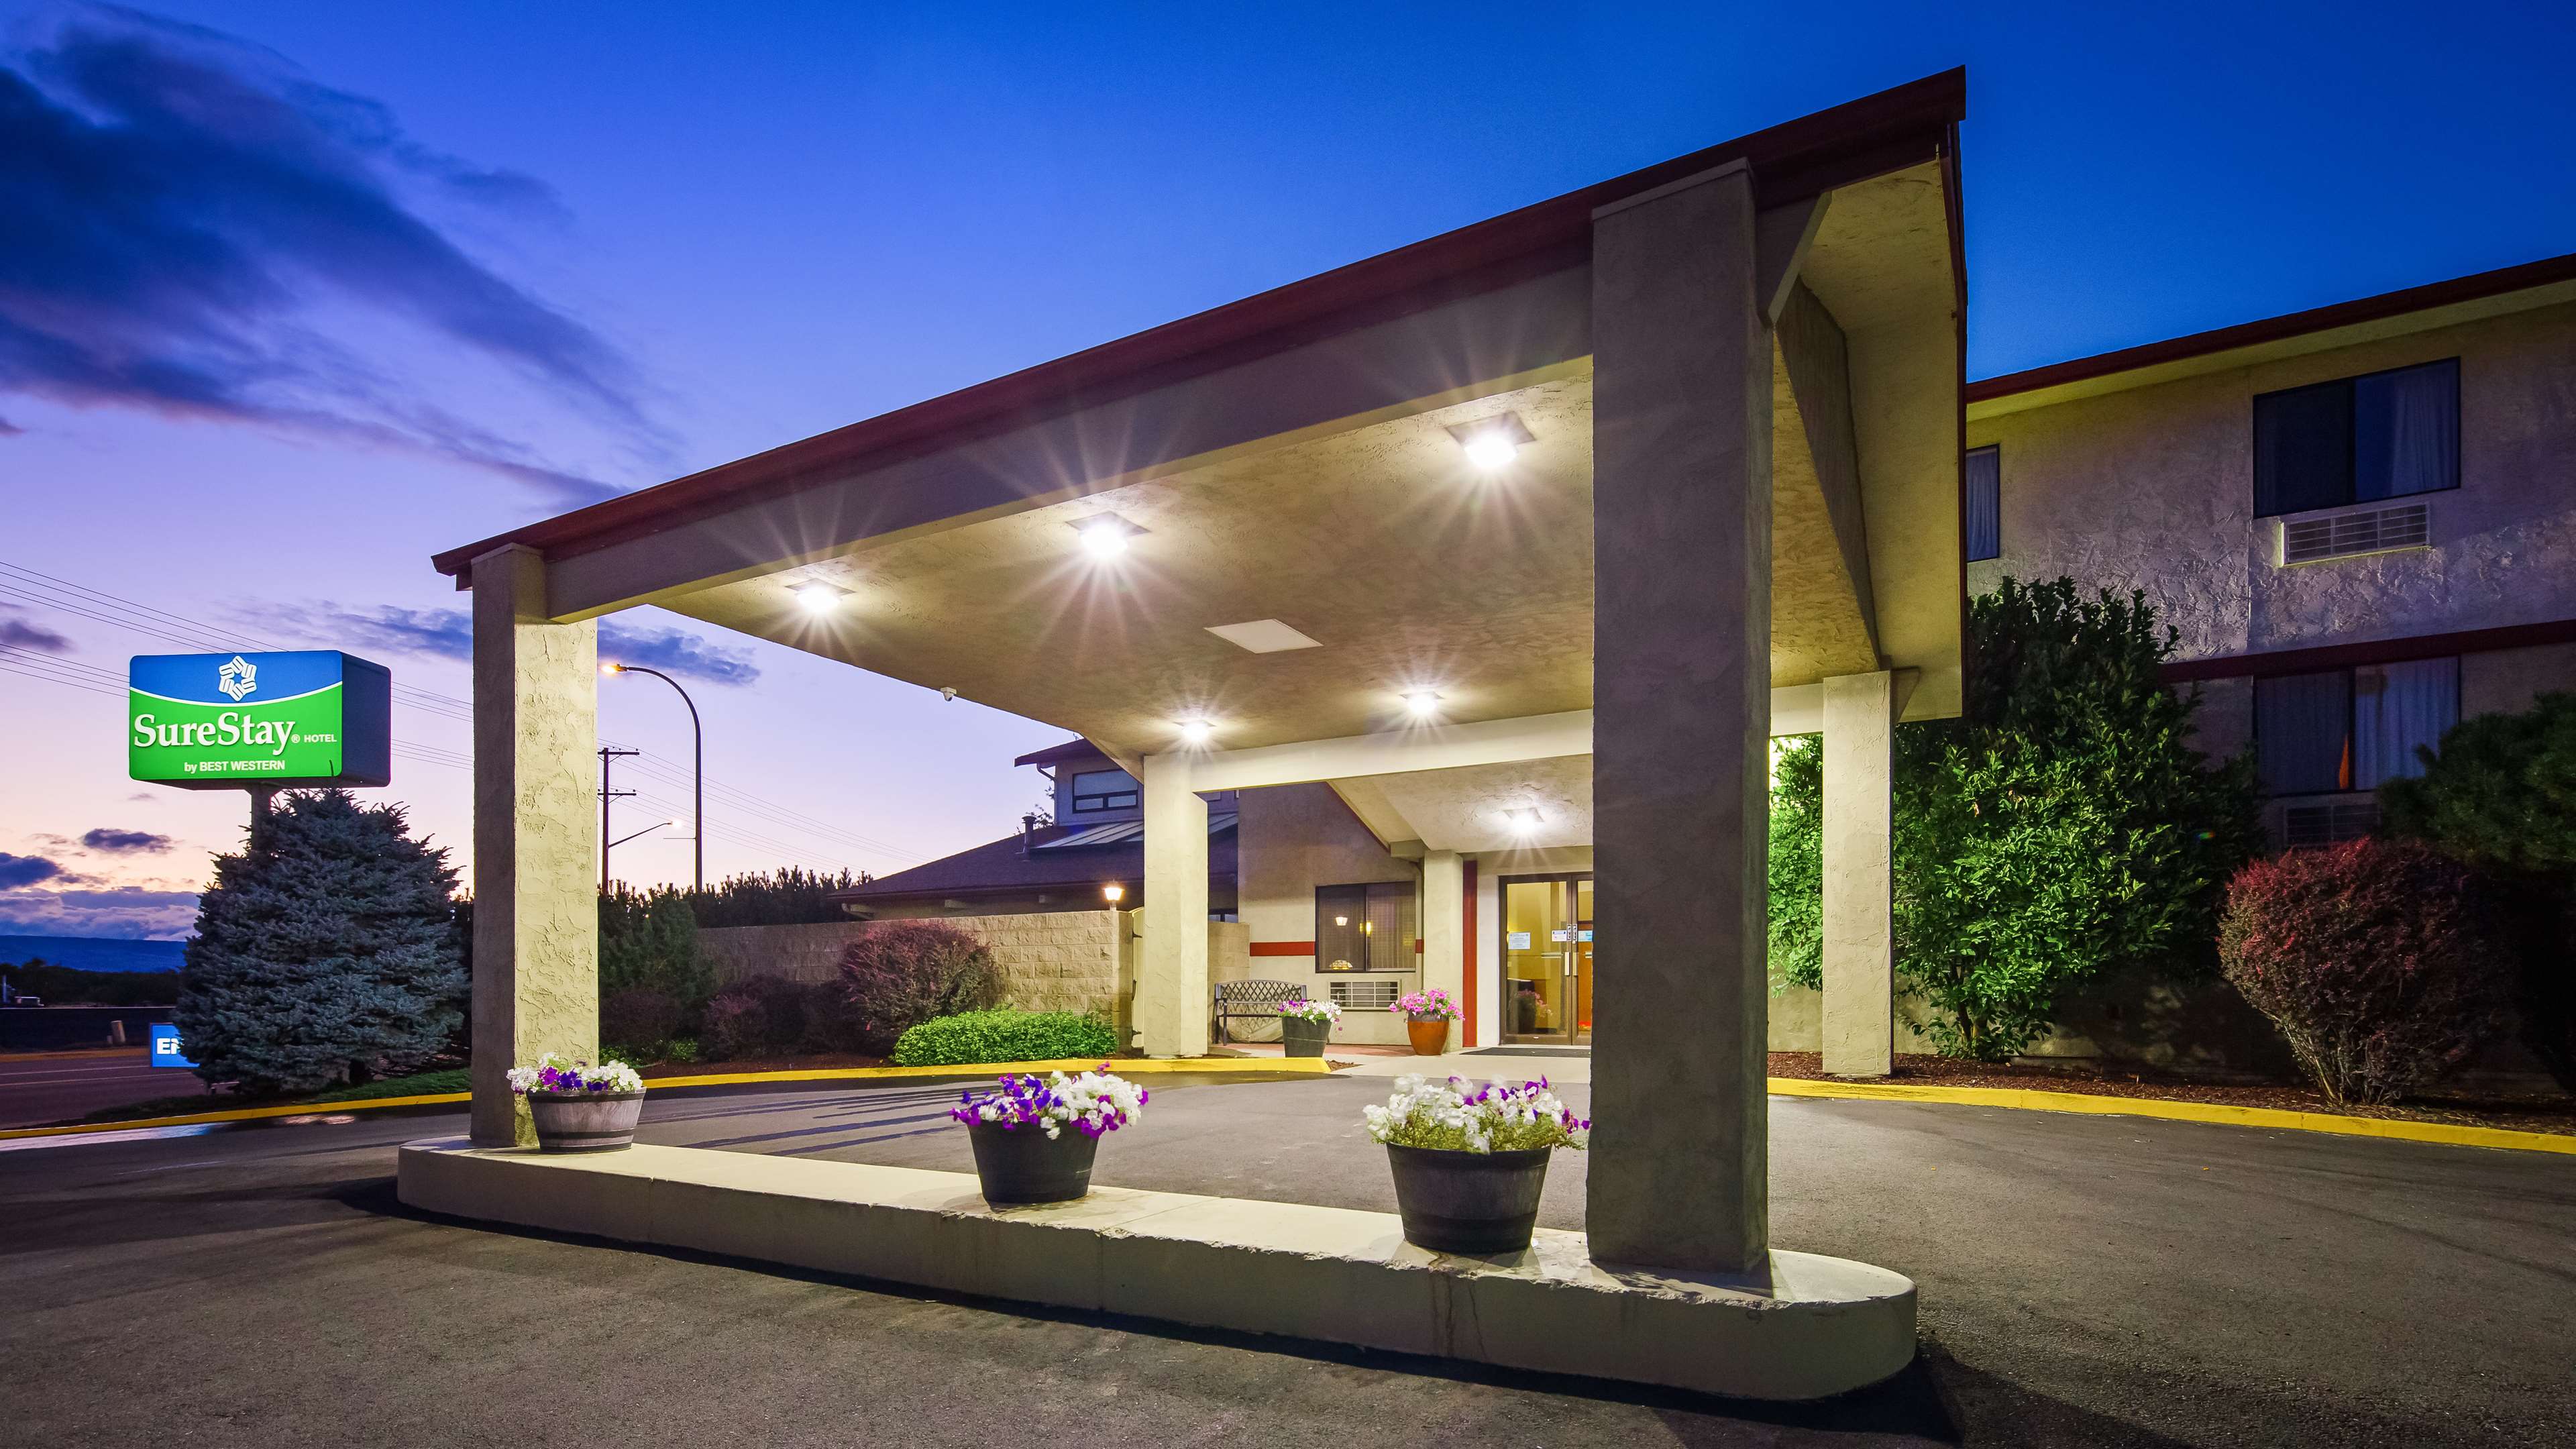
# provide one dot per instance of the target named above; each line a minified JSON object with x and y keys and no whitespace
{"x":698,"y":774}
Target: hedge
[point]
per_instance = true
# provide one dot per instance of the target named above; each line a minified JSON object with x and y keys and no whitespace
{"x":977,"y":1037}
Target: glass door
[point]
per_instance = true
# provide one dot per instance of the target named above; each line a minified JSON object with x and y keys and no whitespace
{"x":1547,"y":958}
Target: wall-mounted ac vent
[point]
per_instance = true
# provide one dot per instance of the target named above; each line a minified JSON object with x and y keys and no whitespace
{"x":1364,"y":995}
{"x":2307,"y":827}
{"x":2368,"y":530}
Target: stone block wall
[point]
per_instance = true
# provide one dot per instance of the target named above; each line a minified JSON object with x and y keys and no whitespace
{"x":1050,"y":960}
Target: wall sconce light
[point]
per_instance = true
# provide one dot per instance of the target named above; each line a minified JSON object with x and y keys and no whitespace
{"x":1492,"y":443}
{"x":1113,"y":893}
{"x":819,"y":597}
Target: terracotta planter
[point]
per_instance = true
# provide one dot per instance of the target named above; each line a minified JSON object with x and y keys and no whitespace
{"x":1468,"y":1202}
{"x":1428,"y":1036}
{"x":1019,"y":1165}
{"x":585,"y":1121}
{"x":1302,"y":1038}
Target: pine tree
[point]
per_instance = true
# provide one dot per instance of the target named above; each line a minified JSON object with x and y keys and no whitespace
{"x":325,"y":951}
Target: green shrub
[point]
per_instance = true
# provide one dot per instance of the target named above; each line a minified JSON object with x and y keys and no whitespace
{"x":2501,"y":796}
{"x":788,"y":896}
{"x":2061,"y":828}
{"x":648,"y":940}
{"x":1797,"y":862}
{"x":977,"y":1037}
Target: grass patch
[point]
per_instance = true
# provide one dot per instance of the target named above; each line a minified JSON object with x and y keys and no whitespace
{"x":418,"y":1084}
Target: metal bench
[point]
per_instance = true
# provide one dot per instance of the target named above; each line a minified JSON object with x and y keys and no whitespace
{"x":1249,"y":1001}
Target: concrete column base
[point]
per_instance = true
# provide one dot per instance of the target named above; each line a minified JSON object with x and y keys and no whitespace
{"x":1805,"y":1327}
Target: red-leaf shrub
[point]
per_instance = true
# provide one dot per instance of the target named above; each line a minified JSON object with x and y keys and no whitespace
{"x":899,"y":974}
{"x":755,"y":1017}
{"x":2383,"y":963}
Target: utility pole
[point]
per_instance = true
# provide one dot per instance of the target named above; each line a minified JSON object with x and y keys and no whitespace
{"x":607,"y":757}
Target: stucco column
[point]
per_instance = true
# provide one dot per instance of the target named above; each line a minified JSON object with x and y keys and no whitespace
{"x":1444,"y":938}
{"x":1681,"y":499}
{"x":1859,"y":946}
{"x":536,"y":841}
{"x":1172,"y":959}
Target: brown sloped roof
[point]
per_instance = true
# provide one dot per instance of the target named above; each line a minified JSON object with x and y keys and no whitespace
{"x":1072,"y":749}
{"x":2476,"y":287}
{"x":1003,"y":866}
{"x":1876,"y":134}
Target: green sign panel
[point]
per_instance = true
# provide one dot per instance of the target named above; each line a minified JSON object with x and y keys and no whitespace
{"x":226,"y":721}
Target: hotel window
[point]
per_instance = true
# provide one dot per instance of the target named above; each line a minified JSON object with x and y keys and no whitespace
{"x":2382,"y":435}
{"x":1985,"y":481}
{"x":2351,"y":729}
{"x":1104,"y":790}
{"x":1365,"y":927}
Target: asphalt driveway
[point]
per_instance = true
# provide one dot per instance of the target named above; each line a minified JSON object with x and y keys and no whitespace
{"x":2085,"y":1280}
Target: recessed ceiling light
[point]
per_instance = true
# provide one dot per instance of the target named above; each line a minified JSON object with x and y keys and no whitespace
{"x":1422,"y":703}
{"x":1523,"y":821}
{"x":1197,"y":731}
{"x":1492,"y":443}
{"x":1264,"y":636}
{"x":819,"y":597}
{"x":1104,"y":535}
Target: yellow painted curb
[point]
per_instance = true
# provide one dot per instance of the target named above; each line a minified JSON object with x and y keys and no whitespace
{"x":1275,"y":1066}
{"x":2030,"y":1100}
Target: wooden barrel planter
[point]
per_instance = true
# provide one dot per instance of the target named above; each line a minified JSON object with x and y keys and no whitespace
{"x":1021,"y":1165}
{"x":1468,"y":1202}
{"x":585,"y":1121}
{"x":1300,"y":1037}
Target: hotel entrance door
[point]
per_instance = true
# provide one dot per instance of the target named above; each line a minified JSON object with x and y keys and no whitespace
{"x":1547,"y":958}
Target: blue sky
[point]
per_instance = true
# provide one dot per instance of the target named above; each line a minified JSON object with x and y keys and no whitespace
{"x":290,"y":298}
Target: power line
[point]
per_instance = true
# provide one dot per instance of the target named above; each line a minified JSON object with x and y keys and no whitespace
{"x":80,"y":600}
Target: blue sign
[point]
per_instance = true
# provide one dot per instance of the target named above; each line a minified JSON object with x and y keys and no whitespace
{"x":165,"y":1046}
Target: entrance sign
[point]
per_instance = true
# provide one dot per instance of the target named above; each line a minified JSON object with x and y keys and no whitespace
{"x":165,"y":1047}
{"x":226,"y":721}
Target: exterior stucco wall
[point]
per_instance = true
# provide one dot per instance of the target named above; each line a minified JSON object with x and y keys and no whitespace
{"x":1291,"y":839}
{"x":2153,"y":488}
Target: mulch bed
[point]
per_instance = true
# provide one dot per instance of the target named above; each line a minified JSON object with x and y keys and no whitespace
{"x":2534,"y":1113}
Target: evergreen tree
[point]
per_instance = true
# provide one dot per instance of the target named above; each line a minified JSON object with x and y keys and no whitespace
{"x":649,"y":940}
{"x":325,"y":952}
{"x":2063,"y":827}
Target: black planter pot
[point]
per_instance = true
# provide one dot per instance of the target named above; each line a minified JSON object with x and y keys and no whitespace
{"x":1302,"y":1038}
{"x":1468,"y":1202}
{"x":1020,"y":1165}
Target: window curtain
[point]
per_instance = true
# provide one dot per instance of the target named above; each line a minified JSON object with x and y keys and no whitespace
{"x":1985,"y":480}
{"x":2303,"y":449}
{"x":2406,"y":431}
{"x":2301,"y":745}
{"x":2397,"y":708}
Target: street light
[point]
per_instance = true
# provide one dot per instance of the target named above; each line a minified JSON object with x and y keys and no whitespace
{"x":698,"y":783}
{"x":640,"y":834}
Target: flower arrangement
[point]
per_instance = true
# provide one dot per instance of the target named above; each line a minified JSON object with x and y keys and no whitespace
{"x":562,"y":1076}
{"x":1091,"y":1104}
{"x":1305,"y":1010}
{"x":1432,"y":1005}
{"x":1458,"y":1116}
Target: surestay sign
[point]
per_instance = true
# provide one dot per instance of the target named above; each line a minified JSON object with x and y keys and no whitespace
{"x":224,"y":721}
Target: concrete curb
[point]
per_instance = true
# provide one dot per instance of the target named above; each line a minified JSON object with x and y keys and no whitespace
{"x":1805,"y":1328}
{"x":1273,"y":1066}
{"x":2086,"y":1103}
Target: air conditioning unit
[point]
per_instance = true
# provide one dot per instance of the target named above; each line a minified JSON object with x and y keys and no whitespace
{"x":2309,"y":827}
{"x":1364,"y":995}
{"x":2356,"y":532}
